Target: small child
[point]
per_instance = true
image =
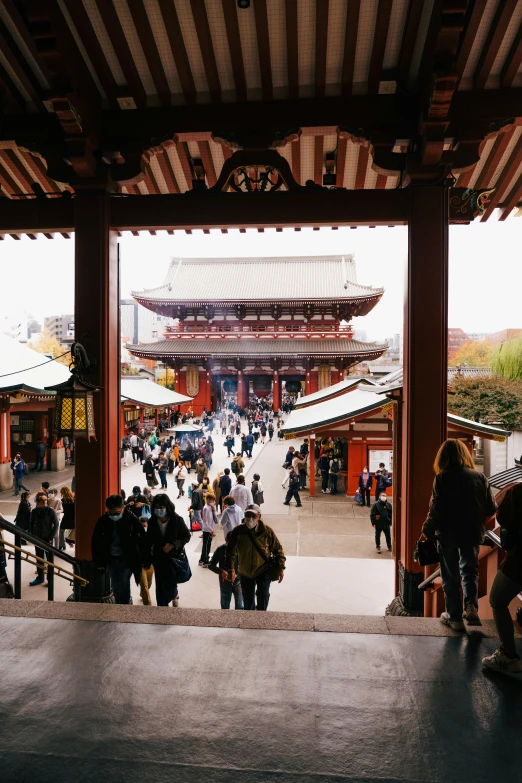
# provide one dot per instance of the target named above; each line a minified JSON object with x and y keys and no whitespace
{"x":217,"y":565}
{"x":208,"y":526}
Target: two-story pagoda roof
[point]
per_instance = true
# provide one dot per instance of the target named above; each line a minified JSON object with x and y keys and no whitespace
{"x":319,"y":279}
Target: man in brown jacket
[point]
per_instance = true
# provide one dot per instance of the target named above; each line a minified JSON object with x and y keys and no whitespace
{"x":253,"y":543}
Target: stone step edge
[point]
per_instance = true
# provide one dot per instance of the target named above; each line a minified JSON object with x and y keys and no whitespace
{"x":217,"y":618}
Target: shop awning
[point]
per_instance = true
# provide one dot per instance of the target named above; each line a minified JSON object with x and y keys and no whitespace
{"x":185,"y":428}
{"x":24,"y":369}
{"x":140,"y":390}
{"x":327,"y":393}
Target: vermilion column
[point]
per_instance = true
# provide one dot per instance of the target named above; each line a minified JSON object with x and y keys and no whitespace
{"x":240,"y":387}
{"x":276,"y":392}
{"x":425,"y":371}
{"x":311,"y":465}
{"x":97,"y":313}
{"x":6,"y":475}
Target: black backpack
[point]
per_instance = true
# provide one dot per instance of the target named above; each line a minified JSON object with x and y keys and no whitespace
{"x":334,"y":467}
{"x":294,"y":479}
{"x":234,"y":466}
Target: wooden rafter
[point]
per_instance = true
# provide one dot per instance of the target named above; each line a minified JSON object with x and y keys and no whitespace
{"x":150,"y":181}
{"x":296,"y":160}
{"x":21,"y":67}
{"x":7,"y":86}
{"x":52,"y":187}
{"x":495,"y":155}
{"x":208,"y":163}
{"x":350,"y":45}
{"x":342,"y":146}
{"x":73,"y":66}
{"x":121,"y":47}
{"x":199,"y":13}
{"x":234,"y":47}
{"x":150,"y":49}
{"x":263,"y":47}
{"x":185,"y":160}
{"x":167,"y":171}
{"x":11,"y":6}
{"x":508,"y":172}
{"x":497,"y":31}
{"x":292,"y":48}
{"x":379,"y":45}
{"x":381,"y":182}
{"x":513,"y":199}
{"x":7,"y":179}
{"x":38,"y":176}
{"x":177,"y":47}
{"x":470,"y":33}
{"x":409,"y":39}
{"x":362,"y":165}
{"x":16,"y":165}
{"x":321,"y":42}
{"x":94,"y":50}
{"x":318,"y":159}
{"x":513,"y":61}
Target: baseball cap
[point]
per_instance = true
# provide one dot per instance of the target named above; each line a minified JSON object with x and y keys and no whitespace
{"x":253,"y":508}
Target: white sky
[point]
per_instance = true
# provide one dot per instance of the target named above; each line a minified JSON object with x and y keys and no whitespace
{"x":485,"y":283}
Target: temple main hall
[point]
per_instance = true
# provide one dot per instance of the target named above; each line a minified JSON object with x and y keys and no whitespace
{"x":265,"y":326}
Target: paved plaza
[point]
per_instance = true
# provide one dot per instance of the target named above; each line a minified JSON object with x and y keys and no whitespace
{"x":332,"y":566}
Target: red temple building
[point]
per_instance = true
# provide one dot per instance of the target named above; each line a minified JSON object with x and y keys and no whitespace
{"x":263,"y":326}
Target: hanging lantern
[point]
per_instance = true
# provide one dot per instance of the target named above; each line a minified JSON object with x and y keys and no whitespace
{"x":293,"y":387}
{"x":74,"y":414}
{"x":230,"y":386}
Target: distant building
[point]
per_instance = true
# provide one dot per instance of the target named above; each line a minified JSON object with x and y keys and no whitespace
{"x":61,"y":327}
{"x":456,"y":338}
{"x":139,"y":325}
{"x":503,"y":335}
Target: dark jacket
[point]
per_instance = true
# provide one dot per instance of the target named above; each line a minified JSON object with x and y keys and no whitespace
{"x":40,"y":449}
{"x":18,"y":468}
{"x":289,"y":457}
{"x":218,"y":564}
{"x":250,"y":561}
{"x":132,"y":537}
{"x":461,"y":501}
{"x":148,"y":468}
{"x":198,"y":501}
{"x":67,"y":521}
{"x":177,"y":533}
{"x":44,"y":523}
{"x":361,"y":481}
{"x":131,"y":504}
{"x":250,"y":439}
{"x":509,"y":517}
{"x":257,"y":494}
{"x":23,"y":515}
{"x":381,"y":514}
{"x":323,"y":463}
{"x":225,"y":485}
{"x":304,"y":449}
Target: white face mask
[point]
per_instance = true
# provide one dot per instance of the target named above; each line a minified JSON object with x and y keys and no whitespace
{"x":115,"y":517}
{"x":161,"y":512}
{"x":250,"y":522}
{"x":383,"y":498}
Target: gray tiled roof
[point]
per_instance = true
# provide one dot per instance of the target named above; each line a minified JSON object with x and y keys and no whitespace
{"x":261,"y":347}
{"x":260,"y":279}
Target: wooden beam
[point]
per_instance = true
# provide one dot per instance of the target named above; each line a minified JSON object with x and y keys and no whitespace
{"x":342,"y":146}
{"x":208,"y":163}
{"x":499,"y":147}
{"x":292,"y":48}
{"x":16,"y":165}
{"x":33,"y":215}
{"x":185,"y":159}
{"x":321,"y":42}
{"x":74,"y":68}
{"x":150,"y":49}
{"x":199,"y":13}
{"x":362,"y":165}
{"x":177,"y":47}
{"x":513,"y":61}
{"x":411,"y":29}
{"x":296,"y":160}
{"x":513,"y":199}
{"x":94,"y":50}
{"x":496,"y":34}
{"x":12,"y":8}
{"x":7,"y":86}
{"x":263,"y":47}
{"x":123,"y":53}
{"x":318,"y":159}
{"x":8,"y":179}
{"x":509,"y":171}
{"x":350,"y":45}
{"x":470,"y":33}
{"x":21,"y":67}
{"x":380,"y":35}
{"x":150,"y":181}
{"x":38,"y":176}
{"x":234,"y":47}
{"x":51,"y":186}
{"x":381,"y":182}
{"x":167,"y":171}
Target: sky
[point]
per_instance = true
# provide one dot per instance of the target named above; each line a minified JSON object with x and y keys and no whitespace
{"x":485,"y":269}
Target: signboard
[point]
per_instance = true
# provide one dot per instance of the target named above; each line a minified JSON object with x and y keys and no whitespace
{"x":376,"y":456}
{"x":15,"y":421}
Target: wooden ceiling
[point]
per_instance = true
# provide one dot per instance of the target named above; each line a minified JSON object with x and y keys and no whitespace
{"x":68,"y":67}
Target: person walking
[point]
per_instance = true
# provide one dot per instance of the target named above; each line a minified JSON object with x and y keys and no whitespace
{"x":133,"y":440}
{"x":323,"y":463}
{"x":241,"y":494}
{"x":44,"y":524}
{"x":257,"y":490}
{"x":365,"y":486}
{"x":232,"y":515}
{"x":225,"y":485}
{"x":150,"y":473}
{"x":197,"y":502}
{"x":167,"y":535}
{"x":208,"y":526}
{"x":461,"y":504}
{"x":23,"y":514}
{"x":250,"y":440}
{"x":18,"y":468}
{"x":230,"y":444}
{"x":270,"y":429}
{"x":381,"y":519}
{"x":508,"y":582}
{"x":237,"y":465}
{"x":334,"y":468}
{"x":163,"y":466}
{"x":255,"y":545}
{"x":55,"y":502}
{"x":67,"y":520}
{"x":125,"y":447}
{"x":180,"y":475}
{"x":227,"y":589}
{"x":293,"y":489}
{"x":119,"y":545}
{"x":40,"y":450}
{"x":201,"y":470}
{"x":137,"y":502}
{"x":263,"y":430}
{"x":216,"y":488}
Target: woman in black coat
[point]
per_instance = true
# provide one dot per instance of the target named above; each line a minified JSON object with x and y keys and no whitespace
{"x":167,"y":535}
{"x":150,"y":473}
{"x":23,"y":514}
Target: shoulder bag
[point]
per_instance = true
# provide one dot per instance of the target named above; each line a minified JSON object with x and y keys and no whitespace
{"x":180,"y":568}
{"x":273,"y":566}
{"x":426,"y":552}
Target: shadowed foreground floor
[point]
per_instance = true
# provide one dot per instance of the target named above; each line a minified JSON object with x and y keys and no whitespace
{"x":94,"y":701}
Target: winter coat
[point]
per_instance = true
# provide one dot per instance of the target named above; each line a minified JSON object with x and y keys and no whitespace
{"x":369,"y":480}
{"x":18,"y":468}
{"x":197,"y":502}
{"x":132,"y":537}
{"x":177,"y":533}
{"x":67,"y":521}
{"x":44,"y":523}
{"x":225,"y":485}
{"x":250,"y":562}
{"x":23,"y":515}
{"x":381,"y":514}
{"x":132,"y":502}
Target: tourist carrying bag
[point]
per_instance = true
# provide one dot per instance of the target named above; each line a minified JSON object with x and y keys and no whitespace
{"x":180,"y":568}
{"x":358,"y":497}
{"x":426,"y":552}
{"x":273,"y":568}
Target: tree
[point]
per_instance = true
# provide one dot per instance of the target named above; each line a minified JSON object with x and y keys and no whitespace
{"x":48,"y":344}
{"x":475,"y":353}
{"x":126,"y":369}
{"x":488,"y":400}
{"x":167,"y":379}
{"x":507,"y":359}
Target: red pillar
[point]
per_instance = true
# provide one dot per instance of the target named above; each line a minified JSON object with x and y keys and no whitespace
{"x":208,"y":389}
{"x":311,"y":465}
{"x":425,"y":370}
{"x":97,"y":313}
{"x":240,"y":389}
{"x":5,"y":432}
{"x":276,"y":392}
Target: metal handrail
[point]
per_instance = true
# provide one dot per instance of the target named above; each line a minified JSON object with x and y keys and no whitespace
{"x":51,"y":552}
{"x":36,"y":560}
{"x":427,"y":582}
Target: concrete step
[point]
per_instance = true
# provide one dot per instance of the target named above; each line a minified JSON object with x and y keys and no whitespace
{"x":217,"y":618}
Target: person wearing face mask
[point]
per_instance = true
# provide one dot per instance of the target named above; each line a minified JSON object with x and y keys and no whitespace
{"x":137,"y":501}
{"x":381,"y":519}
{"x":167,"y":535}
{"x":254,"y":544}
{"x":365,"y":486}
{"x":44,"y":524}
{"x":119,"y":544}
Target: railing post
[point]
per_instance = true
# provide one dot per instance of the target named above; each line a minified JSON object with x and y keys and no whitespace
{"x":49,"y":556}
{"x":18,"y":568}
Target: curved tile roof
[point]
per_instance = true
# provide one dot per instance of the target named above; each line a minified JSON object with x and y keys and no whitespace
{"x":262,"y":347}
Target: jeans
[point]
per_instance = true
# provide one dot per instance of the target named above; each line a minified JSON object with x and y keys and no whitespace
{"x":324,"y":479}
{"x":180,"y":483}
{"x":302,"y":479}
{"x":365,"y":495}
{"x":120,"y":574}
{"x":39,"y":464}
{"x":40,"y":568}
{"x":205,"y":551}
{"x":229,"y":589}
{"x":293,"y":493}
{"x":332,"y":481}
{"x":502,"y":593}
{"x":197,"y":517}
{"x":261,"y":585}
{"x":382,"y":529}
{"x":163,"y":478}
{"x":19,"y":484}
{"x":135,"y":454}
{"x":458,"y":563}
